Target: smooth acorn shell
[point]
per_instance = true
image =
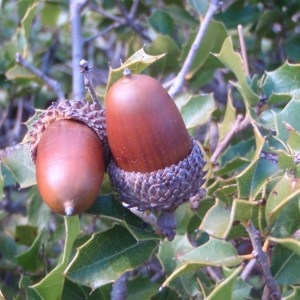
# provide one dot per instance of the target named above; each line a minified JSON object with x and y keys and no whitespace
{"x":69,"y":166}
{"x":145,"y":130}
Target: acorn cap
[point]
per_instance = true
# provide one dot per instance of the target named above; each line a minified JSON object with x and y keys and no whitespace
{"x":160,"y":190}
{"x":89,"y":113}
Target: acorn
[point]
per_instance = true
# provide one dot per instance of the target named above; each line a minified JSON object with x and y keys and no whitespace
{"x":156,"y":165}
{"x":68,"y":147}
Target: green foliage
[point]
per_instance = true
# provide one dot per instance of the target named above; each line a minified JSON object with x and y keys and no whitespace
{"x":255,"y":178}
{"x":233,"y":61}
{"x":20,"y":165}
{"x":51,"y":286}
{"x":107,"y":255}
{"x":197,"y":110}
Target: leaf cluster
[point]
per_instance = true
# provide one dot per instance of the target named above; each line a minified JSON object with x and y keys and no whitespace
{"x":254,"y":179}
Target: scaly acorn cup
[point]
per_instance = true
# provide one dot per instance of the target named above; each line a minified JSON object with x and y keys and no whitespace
{"x":156,"y":165}
{"x":68,"y":146}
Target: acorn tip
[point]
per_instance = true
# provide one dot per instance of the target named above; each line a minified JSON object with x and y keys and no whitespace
{"x":126,"y":72}
{"x":69,"y":211}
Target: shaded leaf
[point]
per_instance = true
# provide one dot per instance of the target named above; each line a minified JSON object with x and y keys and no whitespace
{"x":264,"y":170}
{"x":204,"y":76}
{"x":142,"y":288}
{"x":241,"y":290}
{"x":17,"y":71}
{"x":50,"y":14}
{"x":242,"y":210}
{"x":216,"y":220}
{"x":268,"y":16}
{"x":278,"y":99}
{"x":243,"y":150}
{"x":27,"y":19}
{"x":294,"y":141}
{"x":180,"y":271}
{"x":226,"y":193}
{"x":233,"y":61}
{"x":20,"y":164}
{"x":257,"y":174}
{"x":207,"y":46}
{"x":107,"y":255}
{"x":78,"y":292}
{"x":295,"y":295}
{"x":170,"y":251}
{"x":224,"y":290}
{"x":213,"y":253}
{"x":285,"y":160}
{"x":8,"y":250}
{"x":283,"y":192}
{"x":180,"y":15}
{"x":26,"y":234}
{"x":38,"y":212}
{"x":291,"y":47}
{"x":284,"y":80}
{"x":229,"y":118}
{"x":184,"y":215}
{"x":285,"y":266}
{"x":110,"y":209}
{"x":25,"y":281}
{"x":289,"y":243}
{"x":167,"y":63}
{"x":51,"y":286}
{"x":238,"y":15}
{"x":168,"y":254}
{"x":234,"y":166}
{"x":286,"y":118}
{"x":288,"y":220}
{"x":198,"y":110}
{"x":199,"y":6}
{"x":29,"y":259}
{"x":162,"y":22}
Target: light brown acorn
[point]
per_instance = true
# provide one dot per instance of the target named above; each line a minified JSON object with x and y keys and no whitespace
{"x":68,"y":147}
{"x":156,"y":164}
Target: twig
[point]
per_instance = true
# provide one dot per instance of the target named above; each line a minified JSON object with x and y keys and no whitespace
{"x":214,"y":273}
{"x":48,"y":56}
{"x":149,"y":218}
{"x":119,"y":289}
{"x":3,"y":115}
{"x":15,"y":132}
{"x":104,"y":31}
{"x":243,"y":49}
{"x":129,"y":17}
{"x":179,"y":80}
{"x":240,"y":124}
{"x":248,"y":269}
{"x":75,"y":9}
{"x":105,"y":13}
{"x":133,"y":8}
{"x":273,"y":157}
{"x":261,"y":259}
{"x":51,"y":83}
{"x":86,"y":70}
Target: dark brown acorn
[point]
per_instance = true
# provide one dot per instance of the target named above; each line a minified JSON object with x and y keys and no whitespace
{"x":67,"y":146}
{"x":156,"y":165}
